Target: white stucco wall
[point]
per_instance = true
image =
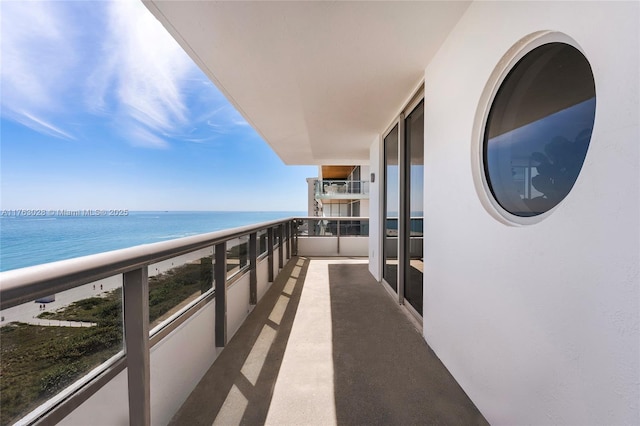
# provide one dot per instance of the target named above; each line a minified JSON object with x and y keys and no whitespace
{"x":539,"y":324}
{"x":263,"y":277}
{"x":238,"y":307}
{"x":328,"y":246}
{"x":375,"y":209}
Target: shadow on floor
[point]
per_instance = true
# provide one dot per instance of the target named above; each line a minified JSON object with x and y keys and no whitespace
{"x":238,"y":388}
{"x":384,"y":372}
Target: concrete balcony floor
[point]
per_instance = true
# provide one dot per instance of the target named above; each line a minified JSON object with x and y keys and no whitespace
{"x":327,"y":345}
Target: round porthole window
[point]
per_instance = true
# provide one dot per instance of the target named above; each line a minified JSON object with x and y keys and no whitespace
{"x":538,"y":129}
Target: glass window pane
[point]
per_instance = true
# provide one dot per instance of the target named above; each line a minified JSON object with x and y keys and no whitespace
{"x":539,"y":128}
{"x":391,"y":205}
{"x":52,"y":342}
{"x":237,"y":255}
{"x":262,"y":241}
{"x":276,"y":236}
{"x":354,"y":228}
{"x":175,"y":282}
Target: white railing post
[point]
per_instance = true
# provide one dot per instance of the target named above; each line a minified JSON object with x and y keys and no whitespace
{"x":136,"y":337}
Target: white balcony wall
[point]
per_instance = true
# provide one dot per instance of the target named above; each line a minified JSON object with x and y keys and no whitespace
{"x":354,"y":246}
{"x":328,"y":246}
{"x":538,"y":324}
{"x":238,"y":307}
{"x":179,"y":361}
{"x":276,"y":256}
{"x":263,"y":277}
{"x":108,"y":406}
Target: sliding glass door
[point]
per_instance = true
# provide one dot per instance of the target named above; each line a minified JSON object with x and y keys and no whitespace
{"x":403,"y":207}
{"x":413,"y":261}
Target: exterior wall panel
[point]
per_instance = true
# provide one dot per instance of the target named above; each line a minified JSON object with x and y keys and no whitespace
{"x":237,"y":305}
{"x":375,"y":206}
{"x":328,"y":246}
{"x":263,"y":277}
{"x":538,"y":323}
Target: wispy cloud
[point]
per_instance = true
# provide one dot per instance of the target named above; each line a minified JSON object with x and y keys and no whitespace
{"x":148,"y":70}
{"x":36,"y":58}
{"x":139,"y":136}
{"x":225,"y":120}
{"x":120,"y":65}
{"x":40,"y":125}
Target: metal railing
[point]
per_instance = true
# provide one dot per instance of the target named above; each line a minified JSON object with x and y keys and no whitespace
{"x":28,"y":284}
{"x":260,"y":241}
{"x":341,"y":188}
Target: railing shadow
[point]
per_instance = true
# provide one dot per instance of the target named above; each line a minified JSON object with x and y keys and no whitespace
{"x":239,"y":386}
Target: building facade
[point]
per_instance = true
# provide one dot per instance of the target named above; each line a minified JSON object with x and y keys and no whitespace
{"x":535,"y":312}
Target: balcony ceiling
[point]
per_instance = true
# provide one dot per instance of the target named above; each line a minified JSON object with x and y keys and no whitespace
{"x":317,"y":80}
{"x":336,"y":172}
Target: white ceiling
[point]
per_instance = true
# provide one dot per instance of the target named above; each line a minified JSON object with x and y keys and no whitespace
{"x":318,"y":80}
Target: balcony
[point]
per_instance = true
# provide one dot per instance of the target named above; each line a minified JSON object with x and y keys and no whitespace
{"x":327,"y":345}
{"x":271,"y":335}
{"x":341,"y":189}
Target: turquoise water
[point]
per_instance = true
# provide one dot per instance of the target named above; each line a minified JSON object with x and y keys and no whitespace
{"x":27,"y":240}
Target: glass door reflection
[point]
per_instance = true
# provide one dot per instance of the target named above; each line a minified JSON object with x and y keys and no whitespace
{"x":391,"y":209}
{"x":413,"y":240}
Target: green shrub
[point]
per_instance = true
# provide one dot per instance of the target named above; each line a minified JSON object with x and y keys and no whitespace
{"x":59,"y":377}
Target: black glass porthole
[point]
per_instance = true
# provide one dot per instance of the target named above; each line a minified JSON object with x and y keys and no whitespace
{"x":539,"y":128}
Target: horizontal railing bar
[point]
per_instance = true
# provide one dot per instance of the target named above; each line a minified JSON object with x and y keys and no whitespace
{"x":27,"y":284}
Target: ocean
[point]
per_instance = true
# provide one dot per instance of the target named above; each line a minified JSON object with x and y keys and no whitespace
{"x":32,"y":240}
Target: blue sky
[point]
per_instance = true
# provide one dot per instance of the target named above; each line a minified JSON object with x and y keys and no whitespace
{"x":101,"y":109}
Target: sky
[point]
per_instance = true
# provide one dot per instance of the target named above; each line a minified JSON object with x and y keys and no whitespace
{"x":102,"y":109}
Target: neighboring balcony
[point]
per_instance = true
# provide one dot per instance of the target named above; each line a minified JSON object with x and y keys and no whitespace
{"x":341,"y":189}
